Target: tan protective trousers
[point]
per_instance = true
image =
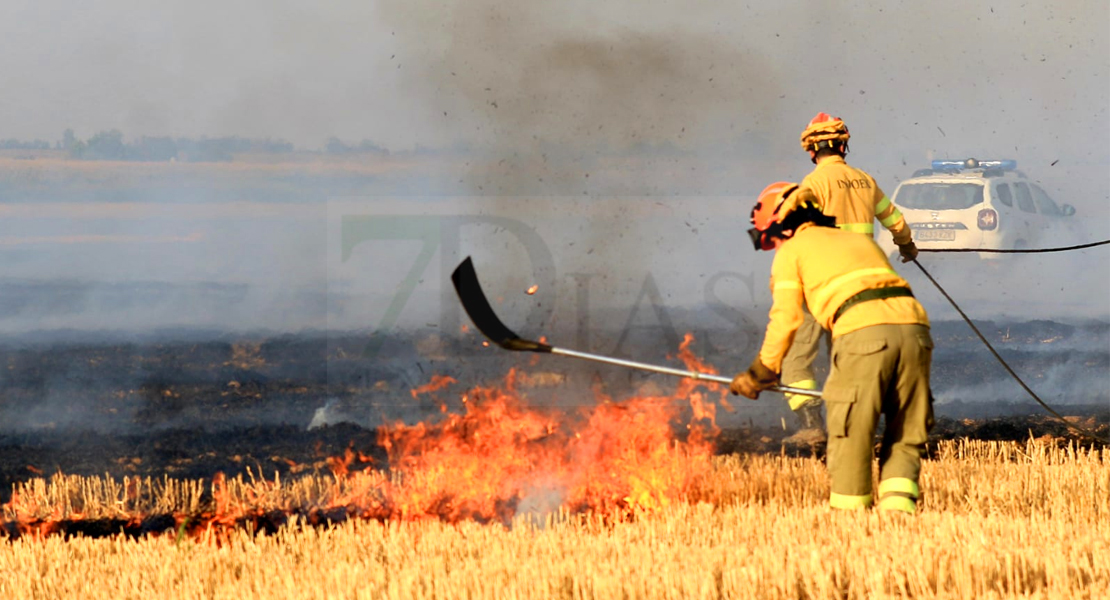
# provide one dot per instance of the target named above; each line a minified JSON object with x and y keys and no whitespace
{"x":797,"y":370}
{"x":878,"y":370}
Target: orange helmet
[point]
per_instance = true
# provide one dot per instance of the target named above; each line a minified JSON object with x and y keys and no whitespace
{"x":776,"y":203}
{"x":825,"y":128}
{"x":766,"y":216}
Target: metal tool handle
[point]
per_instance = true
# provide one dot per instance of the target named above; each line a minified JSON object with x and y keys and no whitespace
{"x":677,"y":372}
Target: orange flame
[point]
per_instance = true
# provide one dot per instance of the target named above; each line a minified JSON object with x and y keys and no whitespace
{"x":437,"y":383}
{"x":340,"y":467}
{"x":502,"y":457}
{"x":702,"y":408}
{"x":498,"y":459}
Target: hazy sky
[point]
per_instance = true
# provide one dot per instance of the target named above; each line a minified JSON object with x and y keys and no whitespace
{"x":958,"y":76}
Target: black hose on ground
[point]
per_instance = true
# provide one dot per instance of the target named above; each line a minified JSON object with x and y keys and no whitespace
{"x":1016,"y":250}
{"x":1082,"y":431}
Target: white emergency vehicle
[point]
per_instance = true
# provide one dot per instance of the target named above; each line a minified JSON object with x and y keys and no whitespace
{"x":980,"y":204}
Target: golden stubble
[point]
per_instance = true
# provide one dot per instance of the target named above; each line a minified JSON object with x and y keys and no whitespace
{"x":998,"y":520}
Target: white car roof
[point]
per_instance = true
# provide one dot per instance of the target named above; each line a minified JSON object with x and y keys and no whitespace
{"x":951,"y":178}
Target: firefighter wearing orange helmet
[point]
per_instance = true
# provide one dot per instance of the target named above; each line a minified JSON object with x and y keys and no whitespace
{"x":853,"y":198}
{"x":881,"y":348}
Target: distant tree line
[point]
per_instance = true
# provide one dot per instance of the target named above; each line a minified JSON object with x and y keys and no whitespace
{"x":335,"y":145}
{"x":14,"y":144}
{"x":110,"y":145}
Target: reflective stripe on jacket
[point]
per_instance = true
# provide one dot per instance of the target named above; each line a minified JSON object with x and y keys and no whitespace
{"x":822,"y":267}
{"x":853,"y":197}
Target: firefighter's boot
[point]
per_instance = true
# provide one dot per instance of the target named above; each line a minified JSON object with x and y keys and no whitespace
{"x":811,"y":427}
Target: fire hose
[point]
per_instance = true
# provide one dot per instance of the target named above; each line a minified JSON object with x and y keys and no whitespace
{"x":1017,"y":250}
{"x":1082,"y":431}
{"x":481,"y":314}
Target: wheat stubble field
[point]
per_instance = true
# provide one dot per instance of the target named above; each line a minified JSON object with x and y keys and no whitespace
{"x":999,"y":520}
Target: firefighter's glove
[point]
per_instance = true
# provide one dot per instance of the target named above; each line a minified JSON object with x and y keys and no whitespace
{"x":908,"y":251}
{"x":756,"y":379}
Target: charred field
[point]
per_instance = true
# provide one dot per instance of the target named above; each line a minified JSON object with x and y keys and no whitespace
{"x":190,"y":409}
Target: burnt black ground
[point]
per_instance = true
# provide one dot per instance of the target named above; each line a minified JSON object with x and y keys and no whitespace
{"x":195,"y":406}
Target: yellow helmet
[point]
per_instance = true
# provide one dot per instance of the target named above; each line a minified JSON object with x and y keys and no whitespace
{"x":824,"y":128}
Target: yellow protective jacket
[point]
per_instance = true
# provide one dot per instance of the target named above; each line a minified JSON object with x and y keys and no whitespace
{"x":853,"y":197}
{"x":822,"y":267}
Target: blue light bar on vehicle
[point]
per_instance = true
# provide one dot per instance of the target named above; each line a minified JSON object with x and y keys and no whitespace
{"x":948,"y":165}
{"x":1005,"y":165}
{"x":971,"y":163}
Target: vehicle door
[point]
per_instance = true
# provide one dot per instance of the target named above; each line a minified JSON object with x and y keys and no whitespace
{"x":1002,"y":201}
{"x":1059,"y":228}
{"x":1032,"y":223}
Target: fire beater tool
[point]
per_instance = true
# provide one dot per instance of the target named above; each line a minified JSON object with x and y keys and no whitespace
{"x":481,"y":313}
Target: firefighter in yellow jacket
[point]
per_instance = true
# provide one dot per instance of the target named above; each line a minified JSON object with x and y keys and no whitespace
{"x":853,"y":198}
{"x":881,"y":348}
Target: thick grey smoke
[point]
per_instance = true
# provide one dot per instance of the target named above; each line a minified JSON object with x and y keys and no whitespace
{"x":912,"y":80}
{"x":537,"y":76}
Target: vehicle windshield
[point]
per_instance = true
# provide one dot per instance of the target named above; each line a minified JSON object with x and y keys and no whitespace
{"x":939,"y":196}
